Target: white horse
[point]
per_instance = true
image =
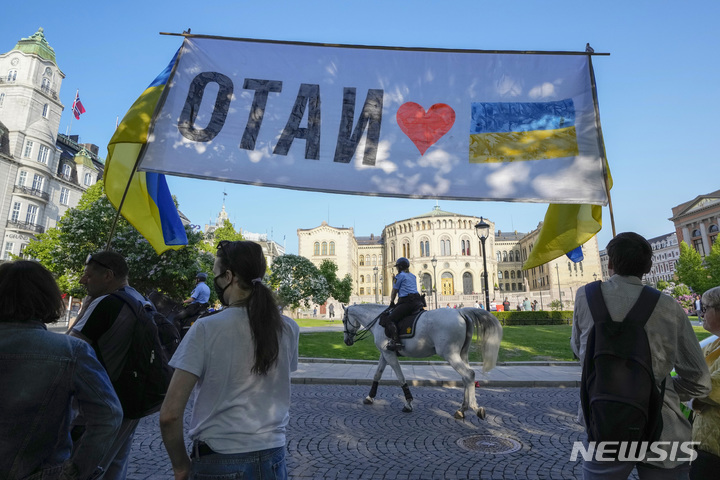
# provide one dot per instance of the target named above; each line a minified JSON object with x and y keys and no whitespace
{"x":446,"y":332}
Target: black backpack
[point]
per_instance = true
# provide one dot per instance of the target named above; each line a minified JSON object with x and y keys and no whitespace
{"x":620,"y":399}
{"x":167,"y":331}
{"x":145,"y":377}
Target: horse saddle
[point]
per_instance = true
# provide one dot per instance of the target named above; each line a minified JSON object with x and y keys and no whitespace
{"x":406,"y":326}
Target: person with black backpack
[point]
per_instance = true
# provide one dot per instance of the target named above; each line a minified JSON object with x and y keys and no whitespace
{"x":123,"y":334}
{"x":629,"y":337}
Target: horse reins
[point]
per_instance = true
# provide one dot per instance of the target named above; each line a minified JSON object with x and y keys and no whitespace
{"x":362,"y":335}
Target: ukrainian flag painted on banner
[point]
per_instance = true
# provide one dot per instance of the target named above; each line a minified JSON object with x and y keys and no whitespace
{"x":511,"y":132}
{"x":148,"y":206}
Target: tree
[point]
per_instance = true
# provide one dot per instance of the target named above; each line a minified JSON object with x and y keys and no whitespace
{"x":224,"y":232}
{"x":712,"y":265}
{"x":691,"y":271}
{"x":298,"y":281}
{"x":84,"y":230}
{"x":340,"y":290}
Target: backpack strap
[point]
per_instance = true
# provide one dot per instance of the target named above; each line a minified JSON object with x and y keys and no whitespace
{"x":639,"y":313}
{"x":596,"y":302}
{"x":644,"y":306}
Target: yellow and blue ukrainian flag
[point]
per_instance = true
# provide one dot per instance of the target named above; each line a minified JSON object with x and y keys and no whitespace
{"x":148,"y":205}
{"x":565,"y":229}
{"x":520,"y":131}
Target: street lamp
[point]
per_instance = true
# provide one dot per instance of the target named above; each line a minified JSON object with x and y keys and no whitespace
{"x":483,"y":229}
{"x":557,"y":270}
{"x":434,"y":264}
{"x":595,"y":276}
{"x":375,"y":271}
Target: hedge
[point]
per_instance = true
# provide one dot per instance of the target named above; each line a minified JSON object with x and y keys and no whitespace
{"x":535,"y":318}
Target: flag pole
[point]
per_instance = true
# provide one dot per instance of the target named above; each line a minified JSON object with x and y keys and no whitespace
{"x":601,"y":144}
{"x":122,"y":201}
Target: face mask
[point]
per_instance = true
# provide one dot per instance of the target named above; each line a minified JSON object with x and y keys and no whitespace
{"x":220,"y":291}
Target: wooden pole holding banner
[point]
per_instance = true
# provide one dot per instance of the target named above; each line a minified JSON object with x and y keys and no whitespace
{"x":601,"y":143}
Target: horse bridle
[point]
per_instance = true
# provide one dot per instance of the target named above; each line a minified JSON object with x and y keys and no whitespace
{"x":353,"y":334}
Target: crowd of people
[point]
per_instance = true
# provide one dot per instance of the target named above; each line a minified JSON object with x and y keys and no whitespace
{"x":64,"y":418}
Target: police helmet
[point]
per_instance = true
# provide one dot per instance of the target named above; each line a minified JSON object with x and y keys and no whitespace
{"x":403,"y":263}
{"x":201,"y":276}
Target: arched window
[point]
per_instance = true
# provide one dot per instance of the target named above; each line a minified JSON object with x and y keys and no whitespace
{"x":499,"y":257}
{"x":511,"y":257}
{"x":500,"y":275}
{"x":507,"y":276}
{"x":406,"y":249}
{"x":323,"y":249}
{"x":696,"y":233}
{"x":570,"y":267}
{"x":427,"y":283}
{"x":374,"y":259}
{"x":422,"y":249}
{"x":11,"y":76}
{"x":512,"y":275}
{"x":362,"y":278}
{"x":467,"y":283}
{"x":332,"y":248}
{"x":517,"y":255}
{"x":392,"y":252}
{"x":505,"y":256}
{"x":316,"y":249}
{"x":362,"y":260}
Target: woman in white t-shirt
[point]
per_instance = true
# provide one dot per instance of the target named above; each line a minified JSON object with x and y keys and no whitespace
{"x":239,"y":362}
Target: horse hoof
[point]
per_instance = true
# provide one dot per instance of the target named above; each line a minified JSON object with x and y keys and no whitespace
{"x":481,"y":413}
{"x":459,"y":415}
{"x":407,"y":409}
{"x":368,"y":401}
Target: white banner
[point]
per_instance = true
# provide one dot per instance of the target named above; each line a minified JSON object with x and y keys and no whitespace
{"x":381,"y":121}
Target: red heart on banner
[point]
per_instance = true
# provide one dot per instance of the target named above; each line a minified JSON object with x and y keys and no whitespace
{"x":425,"y":128}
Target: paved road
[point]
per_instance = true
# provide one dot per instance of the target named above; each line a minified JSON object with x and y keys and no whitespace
{"x":332,"y":435}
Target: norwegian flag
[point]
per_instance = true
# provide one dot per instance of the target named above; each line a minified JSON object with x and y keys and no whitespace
{"x":77,"y":106}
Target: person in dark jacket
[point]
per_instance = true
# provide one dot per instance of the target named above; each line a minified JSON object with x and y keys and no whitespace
{"x":42,"y":374}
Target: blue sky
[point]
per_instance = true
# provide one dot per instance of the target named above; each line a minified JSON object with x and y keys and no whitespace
{"x":658,"y":90}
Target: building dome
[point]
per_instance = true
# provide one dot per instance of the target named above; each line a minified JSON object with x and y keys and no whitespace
{"x":36,"y":44}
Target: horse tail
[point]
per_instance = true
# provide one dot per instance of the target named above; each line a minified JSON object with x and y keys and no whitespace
{"x":489,"y":332}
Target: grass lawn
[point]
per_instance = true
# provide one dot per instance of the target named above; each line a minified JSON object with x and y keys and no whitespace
{"x":520,"y":343}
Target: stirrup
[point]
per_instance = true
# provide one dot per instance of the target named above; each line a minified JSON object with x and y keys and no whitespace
{"x":394,"y":346}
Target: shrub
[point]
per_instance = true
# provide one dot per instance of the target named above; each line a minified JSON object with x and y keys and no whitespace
{"x":535,"y":318}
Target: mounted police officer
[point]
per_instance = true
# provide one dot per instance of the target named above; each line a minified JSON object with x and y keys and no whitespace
{"x":409,"y":300}
{"x":198,"y":300}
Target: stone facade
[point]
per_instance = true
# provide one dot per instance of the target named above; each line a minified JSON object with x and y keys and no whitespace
{"x":696,"y":222}
{"x":43,"y":173}
{"x":666,"y":252}
{"x":445,"y":255}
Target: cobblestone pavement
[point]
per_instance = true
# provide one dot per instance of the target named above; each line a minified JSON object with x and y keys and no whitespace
{"x":332,"y":435}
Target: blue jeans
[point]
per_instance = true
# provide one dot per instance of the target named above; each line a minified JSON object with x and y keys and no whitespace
{"x":261,"y":465}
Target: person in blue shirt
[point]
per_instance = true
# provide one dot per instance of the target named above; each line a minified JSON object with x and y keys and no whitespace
{"x":199,"y":299}
{"x":405,"y":289}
